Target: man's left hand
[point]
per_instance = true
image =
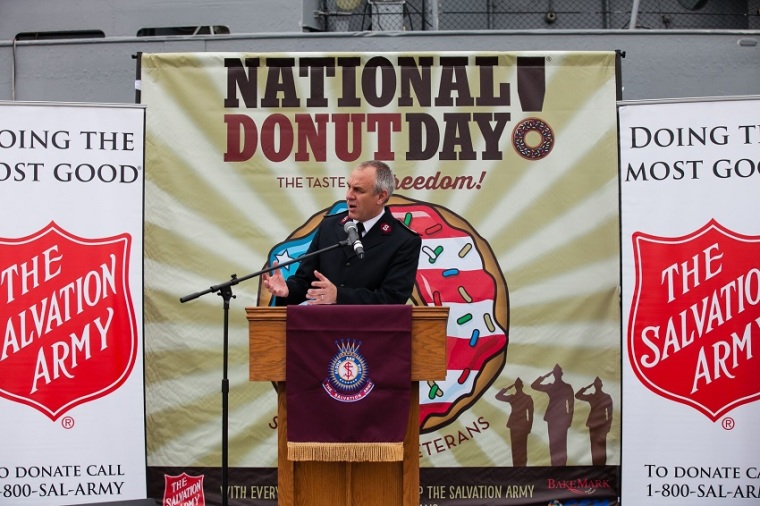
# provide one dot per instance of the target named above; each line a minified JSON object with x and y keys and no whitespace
{"x":322,"y":291}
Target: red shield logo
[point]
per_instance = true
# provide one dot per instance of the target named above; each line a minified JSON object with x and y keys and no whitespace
{"x":694,"y":324}
{"x":183,"y":490}
{"x":69,"y":332}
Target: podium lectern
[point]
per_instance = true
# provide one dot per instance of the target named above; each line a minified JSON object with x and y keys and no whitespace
{"x":347,"y":483}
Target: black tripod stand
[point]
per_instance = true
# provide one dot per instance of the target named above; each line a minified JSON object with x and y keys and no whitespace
{"x":224,"y":290}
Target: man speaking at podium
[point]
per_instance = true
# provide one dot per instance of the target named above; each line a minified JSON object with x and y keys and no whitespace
{"x":385,"y":274}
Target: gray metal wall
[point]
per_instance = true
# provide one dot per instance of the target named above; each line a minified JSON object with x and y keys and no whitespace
{"x":124,"y":18}
{"x":657,"y":63}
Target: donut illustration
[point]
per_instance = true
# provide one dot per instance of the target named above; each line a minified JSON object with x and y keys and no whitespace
{"x":540,"y":149}
{"x":457,"y":268}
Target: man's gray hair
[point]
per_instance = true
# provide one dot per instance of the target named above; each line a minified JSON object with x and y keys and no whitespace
{"x":385,"y":180}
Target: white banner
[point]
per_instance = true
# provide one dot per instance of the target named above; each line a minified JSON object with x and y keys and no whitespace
{"x":71,"y":279}
{"x":690,"y":180}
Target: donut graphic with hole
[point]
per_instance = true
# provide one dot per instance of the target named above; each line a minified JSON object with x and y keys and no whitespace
{"x":457,"y":268}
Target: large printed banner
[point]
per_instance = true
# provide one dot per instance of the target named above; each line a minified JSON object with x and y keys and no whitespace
{"x":506,"y":165}
{"x":72,"y":414}
{"x":690,"y":179}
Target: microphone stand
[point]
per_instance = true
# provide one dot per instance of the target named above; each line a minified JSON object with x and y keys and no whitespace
{"x":224,"y":290}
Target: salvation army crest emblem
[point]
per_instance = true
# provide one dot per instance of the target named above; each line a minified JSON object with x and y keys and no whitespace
{"x":694,"y":322}
{"x":183,"y":489}
{"x":348,"y":378}
{"x":69,"y":332}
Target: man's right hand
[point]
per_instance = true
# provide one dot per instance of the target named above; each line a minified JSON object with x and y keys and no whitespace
{"x":275,"y":283}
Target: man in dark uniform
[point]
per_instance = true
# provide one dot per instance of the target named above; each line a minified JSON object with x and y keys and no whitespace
{"x":387,"y":272}
{"x":520,"y":421}
{"x":599,"y":419}
{"x":559,"y":413}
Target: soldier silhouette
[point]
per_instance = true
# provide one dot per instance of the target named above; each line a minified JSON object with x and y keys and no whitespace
{"x":599,"y":420}
{"x":520,"y":421}
{"x":559,"y":413}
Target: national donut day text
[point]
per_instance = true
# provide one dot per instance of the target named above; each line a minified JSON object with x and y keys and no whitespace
{"x":347,"y":106}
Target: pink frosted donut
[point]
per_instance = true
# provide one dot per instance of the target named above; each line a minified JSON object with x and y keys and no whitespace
{"x":458,"y":269}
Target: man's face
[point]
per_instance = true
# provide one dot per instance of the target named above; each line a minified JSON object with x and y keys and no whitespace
{"x":362,"y":203}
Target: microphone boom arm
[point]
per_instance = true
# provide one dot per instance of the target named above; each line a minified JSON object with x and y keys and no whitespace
{"x":225,"y":291}
{"x":234,"y":280}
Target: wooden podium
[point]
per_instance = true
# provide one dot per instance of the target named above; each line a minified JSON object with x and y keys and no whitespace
{"x":347,"y":483}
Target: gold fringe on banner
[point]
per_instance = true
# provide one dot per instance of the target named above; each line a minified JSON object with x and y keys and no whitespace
{"x":346,"y":452}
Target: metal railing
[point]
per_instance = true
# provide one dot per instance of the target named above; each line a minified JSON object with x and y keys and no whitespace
{"x":424,"y":15}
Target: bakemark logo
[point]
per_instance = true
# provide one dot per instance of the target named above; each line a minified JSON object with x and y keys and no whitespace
{"x":695,"y":320}
{"x":580,"y":486}
{"x":183,"y":490}
{"x":68,"y":324}
{"x":348,"y":378}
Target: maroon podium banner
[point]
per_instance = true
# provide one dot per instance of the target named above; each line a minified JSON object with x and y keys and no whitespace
{"x":348,"y":384}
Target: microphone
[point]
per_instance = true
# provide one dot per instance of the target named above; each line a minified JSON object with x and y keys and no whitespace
{"x":353,"y":238}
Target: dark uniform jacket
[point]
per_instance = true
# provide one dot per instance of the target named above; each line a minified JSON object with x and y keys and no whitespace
{"x":385,"y":275}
